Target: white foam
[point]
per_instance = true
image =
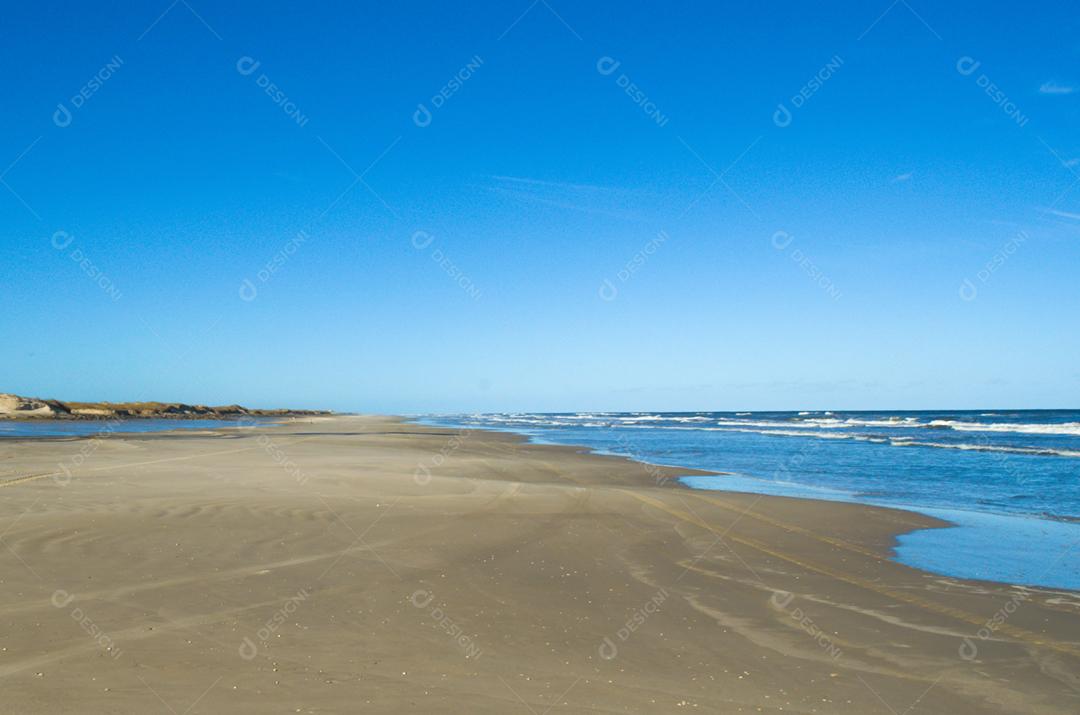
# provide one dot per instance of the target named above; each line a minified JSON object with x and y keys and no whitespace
{"x":806,"y":424}
{"x":1063,"y":428}
{"x":993,"y":448}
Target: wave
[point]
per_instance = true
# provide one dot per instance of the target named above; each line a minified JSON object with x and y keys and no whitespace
{"x":810,"y":424}
{"x":803,"y":421}
{"x":1040,"y":451}
{"x":912,"y":442}
{"x":894,"y":430}
{"x":1062,"y":428}
{"x":894,"y":441}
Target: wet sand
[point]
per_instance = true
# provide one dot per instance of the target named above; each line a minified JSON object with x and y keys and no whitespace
{"x":362,"y":564}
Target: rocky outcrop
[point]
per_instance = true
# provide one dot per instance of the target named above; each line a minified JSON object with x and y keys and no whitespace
{"x":16,"y":407}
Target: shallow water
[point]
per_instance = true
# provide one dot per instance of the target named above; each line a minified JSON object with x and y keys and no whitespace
{"x":85,"y":428}
{"x":1007,"y":479}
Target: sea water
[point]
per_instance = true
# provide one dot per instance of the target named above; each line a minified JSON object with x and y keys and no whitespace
{"x":90,"y":428}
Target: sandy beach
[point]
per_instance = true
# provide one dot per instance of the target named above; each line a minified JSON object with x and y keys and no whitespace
{"x":365,"y":564}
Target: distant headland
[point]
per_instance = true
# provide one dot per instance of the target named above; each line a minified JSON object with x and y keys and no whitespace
{"x":16,"y":407}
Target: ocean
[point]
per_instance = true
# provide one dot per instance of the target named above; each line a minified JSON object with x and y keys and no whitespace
{"x":1007,"y":479}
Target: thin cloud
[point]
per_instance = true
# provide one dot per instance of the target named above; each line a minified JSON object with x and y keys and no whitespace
{"x":614,"y":202}
{"x":903,"y":177}
{"x":1053,"y":87}
{"x":564,"y":204}
{"x":1062,"y":214}
{"x":553,"y":184}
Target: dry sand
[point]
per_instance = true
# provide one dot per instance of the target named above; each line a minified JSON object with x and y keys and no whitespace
{"x":360,"y":564}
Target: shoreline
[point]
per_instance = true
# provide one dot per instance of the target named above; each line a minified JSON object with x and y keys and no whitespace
{"x":673,"y":478}
{"x":414,"y":567}
{"x":970,"y":524}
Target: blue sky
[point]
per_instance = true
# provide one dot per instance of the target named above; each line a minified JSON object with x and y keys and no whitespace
{"x":601,"y":207}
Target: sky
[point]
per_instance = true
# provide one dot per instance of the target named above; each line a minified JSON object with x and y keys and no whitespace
{"x":434,"y":207}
